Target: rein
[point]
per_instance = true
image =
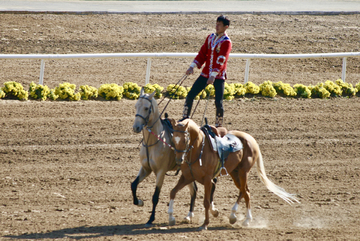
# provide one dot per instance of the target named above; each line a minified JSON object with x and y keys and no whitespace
{"x":207,"y":101}
{"x":146,"y":120}
{"x":179,"y":83}
{"x":159,"y":139}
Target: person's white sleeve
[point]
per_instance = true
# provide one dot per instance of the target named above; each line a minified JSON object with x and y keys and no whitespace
{"x":193,"y":65}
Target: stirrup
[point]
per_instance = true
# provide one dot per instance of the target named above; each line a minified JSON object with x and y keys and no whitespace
{"x":227,"y":174}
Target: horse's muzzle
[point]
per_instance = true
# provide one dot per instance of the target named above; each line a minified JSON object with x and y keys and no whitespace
{"x":137,"y":128}
{"x":180,"y":160}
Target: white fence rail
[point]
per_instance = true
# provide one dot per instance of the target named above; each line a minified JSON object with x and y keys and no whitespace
{"x":248,"y":57}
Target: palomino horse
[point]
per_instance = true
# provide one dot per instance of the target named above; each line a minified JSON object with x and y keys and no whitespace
{"x":155,"y":155}
{"x":190,"y":142}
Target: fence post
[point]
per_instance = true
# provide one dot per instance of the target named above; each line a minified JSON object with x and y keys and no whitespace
{"x":42,"y":67}
{"x":343,"y":74}
{"x":147,"y":78}
{"x":247,"y":69}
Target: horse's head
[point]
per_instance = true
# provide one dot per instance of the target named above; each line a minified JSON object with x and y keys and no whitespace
{"x":144,"y":111}
{"x":181,"y":140}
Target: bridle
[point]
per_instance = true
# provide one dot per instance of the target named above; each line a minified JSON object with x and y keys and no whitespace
{"x":189,"y":147}
{"x":187,"y":142}
{"x":146,"y":119}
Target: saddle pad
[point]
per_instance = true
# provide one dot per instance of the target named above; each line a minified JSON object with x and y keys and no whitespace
{"x":227,"y":144}
{"x":222,"y":145}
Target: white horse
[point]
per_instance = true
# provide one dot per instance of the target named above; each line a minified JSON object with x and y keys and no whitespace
{"x":156,"y":154}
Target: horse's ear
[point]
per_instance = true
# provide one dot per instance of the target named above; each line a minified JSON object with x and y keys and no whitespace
{"x":186,"y":125}
{"x":173,"y":122}
{"x":142,"y":91}
{"x":152,"y":94}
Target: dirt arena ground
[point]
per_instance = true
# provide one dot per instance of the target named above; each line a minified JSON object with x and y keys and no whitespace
{"x":67,"y":166}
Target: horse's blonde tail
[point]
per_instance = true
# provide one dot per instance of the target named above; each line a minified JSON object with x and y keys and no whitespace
{"x":289,"y":198}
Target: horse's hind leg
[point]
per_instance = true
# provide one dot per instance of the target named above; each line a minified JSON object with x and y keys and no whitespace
{"x":140,"y":177}
{"x":235,"y":176}
{"x":240,"y":179}
{"x":193,"y":190}
{"x":241,"y":183}
{"x":248,"y":209}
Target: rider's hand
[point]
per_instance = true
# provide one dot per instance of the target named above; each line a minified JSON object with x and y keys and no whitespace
{"x":190,"y":71}
{"x":210,"y":80}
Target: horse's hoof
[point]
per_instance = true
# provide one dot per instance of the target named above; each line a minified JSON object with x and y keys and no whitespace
{"x":232,"y":219}
{"x":215,"y":213}
{"x":172,"y":221}
{"x":187,"y":220}
{"x":140,"y":203}
{"x":149,"y":225}
{"x":202,"y":228}
{"x":246,"y":222}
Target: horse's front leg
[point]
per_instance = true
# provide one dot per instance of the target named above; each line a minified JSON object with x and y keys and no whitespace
{"x":181,"y":183}
{"x":214,"y":211}
{"x":140,"y":177}
{"x":155,"y":199}
{"x":193,"y":190}
{"x":207,"y":187}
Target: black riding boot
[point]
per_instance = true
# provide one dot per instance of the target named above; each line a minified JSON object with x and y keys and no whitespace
{"x":187,"y":110}
{"x":219,"y":121}
{"x":219,"y":118}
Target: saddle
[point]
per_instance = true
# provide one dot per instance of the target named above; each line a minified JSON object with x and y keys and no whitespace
{"x":167,"y":124}
{"x":221,"y":142}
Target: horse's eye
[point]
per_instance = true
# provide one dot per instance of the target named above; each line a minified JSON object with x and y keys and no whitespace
{"x":146,"y":109}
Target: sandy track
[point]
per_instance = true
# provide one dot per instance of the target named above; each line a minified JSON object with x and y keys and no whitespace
{"x":69,"y":177}
{"x":67,"y":166}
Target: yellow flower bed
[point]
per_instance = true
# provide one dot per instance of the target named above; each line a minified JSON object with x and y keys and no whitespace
{"x":131,"y":90}
{"x":111,"y":91}
{"x":38,"y":92}
{"x":67,"y":91}
{"x":2,"y":94}
{"x":267,"y":89}
{"x":149,"y":88}
{"x":88,"y":92}
{"x":15,"y":90}
{"x":302,"y":91}
{"x":176,"y":91}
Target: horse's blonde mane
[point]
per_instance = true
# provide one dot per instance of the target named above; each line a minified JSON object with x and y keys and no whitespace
{"x":190,"y":122}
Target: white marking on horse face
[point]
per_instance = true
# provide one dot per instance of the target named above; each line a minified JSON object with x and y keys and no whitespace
{"x":177,"y":140}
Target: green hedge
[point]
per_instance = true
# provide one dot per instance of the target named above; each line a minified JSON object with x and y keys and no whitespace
{"x":129,"y":90}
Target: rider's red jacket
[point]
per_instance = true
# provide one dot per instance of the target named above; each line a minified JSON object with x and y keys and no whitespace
{"x":214,"y":53}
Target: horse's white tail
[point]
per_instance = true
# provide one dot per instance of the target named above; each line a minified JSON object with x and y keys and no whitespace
{"x":289,"y":198}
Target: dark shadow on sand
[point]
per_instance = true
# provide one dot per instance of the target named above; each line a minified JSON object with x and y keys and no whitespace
{"x":109,"y":231}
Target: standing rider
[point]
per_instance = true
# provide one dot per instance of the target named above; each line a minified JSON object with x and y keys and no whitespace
{"x":214,"y":53}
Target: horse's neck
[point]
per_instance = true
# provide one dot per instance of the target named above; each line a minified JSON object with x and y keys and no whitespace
{"x":195,"y":135}
{"x":156,"y":125}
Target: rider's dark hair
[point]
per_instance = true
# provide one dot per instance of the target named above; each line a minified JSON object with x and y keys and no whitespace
{"x":225,"y":20}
